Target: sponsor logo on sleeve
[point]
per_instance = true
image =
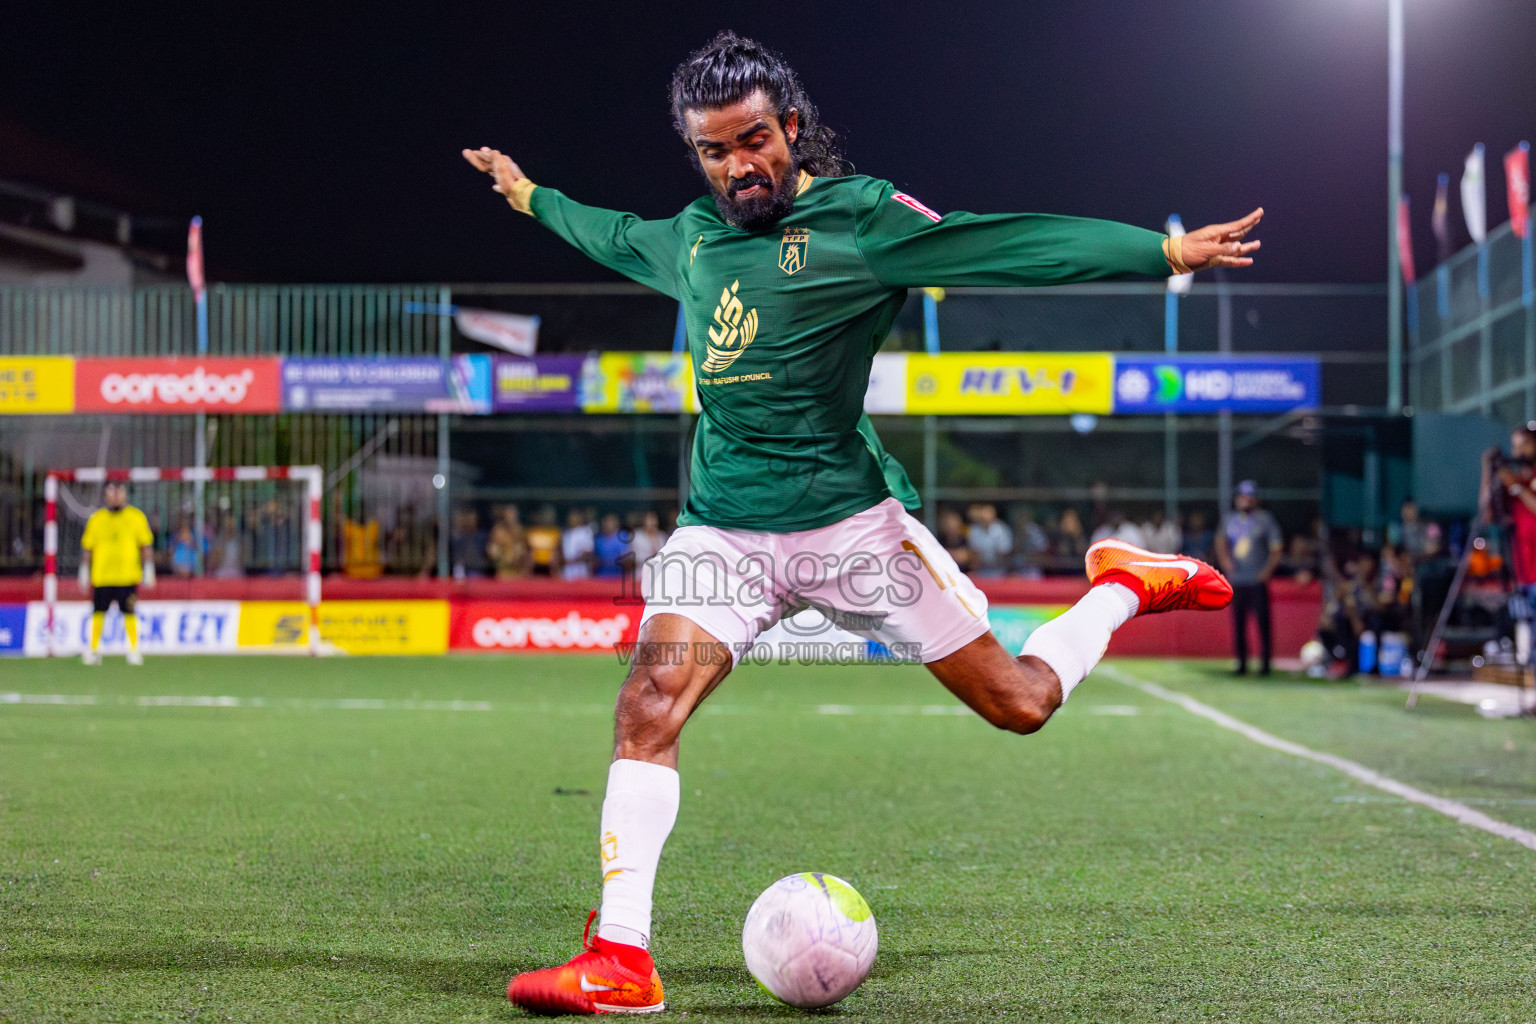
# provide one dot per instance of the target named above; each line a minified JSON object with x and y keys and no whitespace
{"x":906,"y":200}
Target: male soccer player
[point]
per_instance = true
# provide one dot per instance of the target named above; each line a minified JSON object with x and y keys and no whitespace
{"x":790,"y":272}
{"x":116,"y":555}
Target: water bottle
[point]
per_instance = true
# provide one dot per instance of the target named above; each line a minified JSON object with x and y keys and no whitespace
{"x":1367,"y":652}
{"x":1392,"y":653}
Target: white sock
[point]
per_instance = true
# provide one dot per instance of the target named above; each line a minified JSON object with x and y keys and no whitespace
{"x":639,"y":811}
{"x":1073,"y":642}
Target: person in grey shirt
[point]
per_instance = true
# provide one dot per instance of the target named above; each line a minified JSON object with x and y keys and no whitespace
{"x":1248,"y":547}
{"x":990,"y":541}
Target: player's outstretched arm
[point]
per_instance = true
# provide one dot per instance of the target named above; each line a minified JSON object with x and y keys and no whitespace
{"x":1215,"y":245}
{"x":905,"y":244}
{"x":642,"y":250}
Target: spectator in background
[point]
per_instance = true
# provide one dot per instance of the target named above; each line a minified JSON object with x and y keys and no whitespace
{"x":1162,"y":534}
{"x":1394,"y":589}
{"x":1410,"y":533}
{"x":1070,"y":542}
{"x":270,"y":541}
{"x":507,"y":546}
{"x":1117,"y":525}
{"x":1031,"y":542}
{"x":1349,"y":609}
{"x":1198,"y":538}
{"x":577,"y":546}
{"x":227,"y":557}
{"x":609,"y":548}
{"x":184,"y":551}
{"x":1303,"y":556}
{"x":1300,"y":561}
{"x":360,"y":550}
{"x":411,"y":549}
{"x":648,"y":539}
{"x":467,"y":549}
{"x":1248,"y":547}
{"x":952,"y":537}
{"x":544,"y":542}
{"x":990,"y":541}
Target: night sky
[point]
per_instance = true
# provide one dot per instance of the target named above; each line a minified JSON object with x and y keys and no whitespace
{"x":322,"y":145}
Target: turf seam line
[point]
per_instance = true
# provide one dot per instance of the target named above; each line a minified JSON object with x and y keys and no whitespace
{"x":1450,"y":808}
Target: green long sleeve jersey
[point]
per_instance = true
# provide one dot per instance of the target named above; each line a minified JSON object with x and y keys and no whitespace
{"x":783,"y":325}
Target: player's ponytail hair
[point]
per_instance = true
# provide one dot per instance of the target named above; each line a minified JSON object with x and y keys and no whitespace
{"x":729,"y":69}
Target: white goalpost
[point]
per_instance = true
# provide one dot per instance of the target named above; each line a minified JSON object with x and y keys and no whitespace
{"x":310,"y":477}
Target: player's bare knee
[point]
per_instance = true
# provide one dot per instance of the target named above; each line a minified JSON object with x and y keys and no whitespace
{"x":1023,"y":716}
{"x":1023,"y":703}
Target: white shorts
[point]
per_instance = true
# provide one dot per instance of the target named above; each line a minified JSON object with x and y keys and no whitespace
{"x":879,"y":574}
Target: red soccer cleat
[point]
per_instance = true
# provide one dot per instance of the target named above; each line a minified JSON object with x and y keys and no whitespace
{"x":610,"y":977}
{"x":1164,"y":583}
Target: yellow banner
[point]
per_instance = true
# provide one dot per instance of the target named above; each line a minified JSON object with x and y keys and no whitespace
{"x":357,"y":627}
{"x":1009,"y":383}
{"x":36,"y":384}
{"x":638,"y":382}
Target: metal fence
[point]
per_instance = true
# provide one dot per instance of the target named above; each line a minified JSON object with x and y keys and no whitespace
{"x":380,"y":468}
{"x":1474,"y":346}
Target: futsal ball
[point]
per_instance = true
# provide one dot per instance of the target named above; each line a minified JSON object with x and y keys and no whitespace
{"x":809,"y":939}
{"x":1313,"y":654}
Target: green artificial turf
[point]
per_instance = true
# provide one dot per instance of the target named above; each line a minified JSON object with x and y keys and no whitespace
{"x":311,"y":860}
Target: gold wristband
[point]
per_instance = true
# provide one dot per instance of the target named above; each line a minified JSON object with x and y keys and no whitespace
{"x":521,"y":195}
{"x":1173,"y":252}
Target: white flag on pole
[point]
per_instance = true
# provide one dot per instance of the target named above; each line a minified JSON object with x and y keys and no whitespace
{"x":510,"y":331}
{"x":1178,"y":283}
{"x":1474,"y":196}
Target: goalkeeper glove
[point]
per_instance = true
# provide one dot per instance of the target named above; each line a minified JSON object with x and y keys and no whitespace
{"x":85,"y":576}
{"x":149,"y":575}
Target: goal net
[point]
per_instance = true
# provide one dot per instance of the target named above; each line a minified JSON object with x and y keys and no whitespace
{"x":224,"y":524}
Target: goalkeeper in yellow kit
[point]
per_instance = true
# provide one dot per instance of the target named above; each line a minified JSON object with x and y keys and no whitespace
{"x":116,"y":557}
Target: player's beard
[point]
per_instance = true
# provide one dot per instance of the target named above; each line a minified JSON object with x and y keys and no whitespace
{"x":760,"y":212}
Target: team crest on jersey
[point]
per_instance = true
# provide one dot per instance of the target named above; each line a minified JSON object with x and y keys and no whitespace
{"x":793,"y":249}
{"x":733,"y":330}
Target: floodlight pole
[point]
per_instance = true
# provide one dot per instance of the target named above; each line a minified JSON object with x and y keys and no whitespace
{"x":1394,"y":197}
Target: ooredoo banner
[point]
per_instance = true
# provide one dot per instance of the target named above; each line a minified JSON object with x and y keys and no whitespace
{"x":178,"y":385}
{"x":578,"y":625}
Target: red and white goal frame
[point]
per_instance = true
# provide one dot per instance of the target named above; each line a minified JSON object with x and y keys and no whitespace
{"x":311,"y":476}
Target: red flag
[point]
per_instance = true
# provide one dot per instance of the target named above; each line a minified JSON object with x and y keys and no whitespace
{"x":195,"y":257}
{"x":1405,"y":241}
{"x":1517,"y":178}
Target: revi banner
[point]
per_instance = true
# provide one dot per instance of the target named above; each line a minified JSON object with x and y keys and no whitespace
{"x":1009,"y":383}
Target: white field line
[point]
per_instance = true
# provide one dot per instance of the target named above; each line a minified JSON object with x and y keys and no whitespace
{"x":1450,"y":808}
{"x":305,"y":703}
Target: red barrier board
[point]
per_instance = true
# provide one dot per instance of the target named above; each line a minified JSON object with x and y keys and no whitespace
{"x":575,"y":625}
{"x":217,"y":384}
